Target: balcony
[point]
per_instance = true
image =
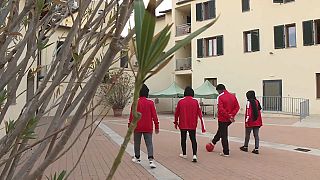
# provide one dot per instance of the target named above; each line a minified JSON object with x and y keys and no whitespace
{"x":183,"y":64}
{"x":183,"y":29}
{"x":182,"y":1}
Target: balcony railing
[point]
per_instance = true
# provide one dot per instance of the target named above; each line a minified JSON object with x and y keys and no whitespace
{"x":183,"y":64}
{"x":183,"y":29}
{"x":285,"y":105}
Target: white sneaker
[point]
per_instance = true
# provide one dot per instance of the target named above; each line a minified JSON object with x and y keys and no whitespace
{"x":136,"y":160}
{"x":224,"y":155}
{"x":183,"y":156}
{"x":194,"y":158}
{"x":152,"y":164}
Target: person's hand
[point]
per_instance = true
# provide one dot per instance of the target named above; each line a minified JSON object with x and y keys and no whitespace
{"x":204,"y":131}
{"x":176,"y":126}
{"x":156,"y":131}
{"x":128,"y":125}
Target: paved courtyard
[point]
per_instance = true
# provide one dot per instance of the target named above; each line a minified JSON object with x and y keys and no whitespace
{"x":278,"y":159}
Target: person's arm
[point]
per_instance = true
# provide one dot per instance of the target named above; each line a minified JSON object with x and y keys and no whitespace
{"x":201,"y":119}
{"x":236,"y":107}
{"x":176,"y":115}
{"x":247,"y":111}
{"x":130,"y":117}
{"x":155,"y":118}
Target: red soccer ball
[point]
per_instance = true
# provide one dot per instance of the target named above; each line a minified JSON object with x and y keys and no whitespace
{"x":209,"y":147}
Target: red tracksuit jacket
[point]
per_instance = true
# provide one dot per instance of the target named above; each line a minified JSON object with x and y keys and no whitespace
{"x":187,"y":113}
{"x":249,"y":116}
{"x":228,"y":106}
{"x":148,"y":116}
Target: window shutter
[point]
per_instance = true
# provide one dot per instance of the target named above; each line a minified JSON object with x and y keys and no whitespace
{"x":245,"y":5}
{"x":199,"y":16}
{"x":255,"y":40}
{"x":279,"y":42}
{"x":220,"y":45}
{"x":212,"y":9}
{"x":308,"y":38}
{"x":200,"y":48}
{"x":277,"y":1}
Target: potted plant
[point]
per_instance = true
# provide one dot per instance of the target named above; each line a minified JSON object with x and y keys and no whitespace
{"x":117,"y":91}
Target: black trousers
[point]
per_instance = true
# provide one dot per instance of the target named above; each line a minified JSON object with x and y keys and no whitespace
{"x":192,"y":135}
{"x":222,"y":134}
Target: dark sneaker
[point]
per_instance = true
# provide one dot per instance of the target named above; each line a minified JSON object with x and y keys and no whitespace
{"x":243,"y":148}
{"x":255,"y":151}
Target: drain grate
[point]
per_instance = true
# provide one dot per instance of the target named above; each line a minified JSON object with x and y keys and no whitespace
{"x":302,"y":149}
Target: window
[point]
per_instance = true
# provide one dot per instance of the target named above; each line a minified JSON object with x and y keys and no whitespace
{"x":206,"y":10}
{"x":285,"y":36}
{"x":311,"y":32}
{"x":208,"y":47}
{"x":318,"y":84}
{"x":245,"y":5}
{"x":282,"y":1}
{"x":58,"y":48}
{"x":251,"y":41}
{"x":124,"y":59}
{"x":59,"y":45}
{"x":213,"y":81}
{"x":291,"y":35}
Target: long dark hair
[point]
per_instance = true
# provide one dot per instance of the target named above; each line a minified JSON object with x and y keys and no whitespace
{"x":251,"y":96}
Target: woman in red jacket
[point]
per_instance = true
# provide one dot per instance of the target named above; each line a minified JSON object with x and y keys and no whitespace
{"x":145,"y":126}
{"x":253,"y":121}
{"x":186,"y":118}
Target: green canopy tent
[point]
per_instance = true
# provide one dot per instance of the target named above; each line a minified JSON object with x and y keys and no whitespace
{"x":173,"y":91}
{"x":206,"y":90}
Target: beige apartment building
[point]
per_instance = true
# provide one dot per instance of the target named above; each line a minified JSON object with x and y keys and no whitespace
{"x":270,"y":46}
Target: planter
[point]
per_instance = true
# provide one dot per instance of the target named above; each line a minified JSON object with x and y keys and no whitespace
{"x":117,"y":112}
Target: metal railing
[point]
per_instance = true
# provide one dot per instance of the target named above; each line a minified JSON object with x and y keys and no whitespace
{"x":183,"y":64}
{"x":183,"y":29}
{"x":304,"y":109}
{"x":285,"y":105}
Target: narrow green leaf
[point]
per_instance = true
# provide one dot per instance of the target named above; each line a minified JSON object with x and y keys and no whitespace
{"x":139,"y":10}
{"x":162,"y":45}
{"x":161,"y":66}
{"x":62,"y":174}
{"x":148,"y":24}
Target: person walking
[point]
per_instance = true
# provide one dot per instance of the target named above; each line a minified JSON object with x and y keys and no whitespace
{"x":253,"y":121}
{"x":145,"y":126}
{"x":228,"y":108}
{"x":186,"y":119}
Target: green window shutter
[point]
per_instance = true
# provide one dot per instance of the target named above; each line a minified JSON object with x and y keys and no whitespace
{"x":277,"y":1}
{"x":200,"y":48}
{"x":199,"y":16}
{"x":245,"y":5}
{"x":212,"y":9}
{"x":255,"y":42}
{"x":279,"y":42}
{"x":220,"y":45}
{"x":308,"y":38}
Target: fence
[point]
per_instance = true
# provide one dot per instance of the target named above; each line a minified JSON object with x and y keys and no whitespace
{"x":183,"y":64}
{"x":183,"y":29}
{"x":285,"y":105}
